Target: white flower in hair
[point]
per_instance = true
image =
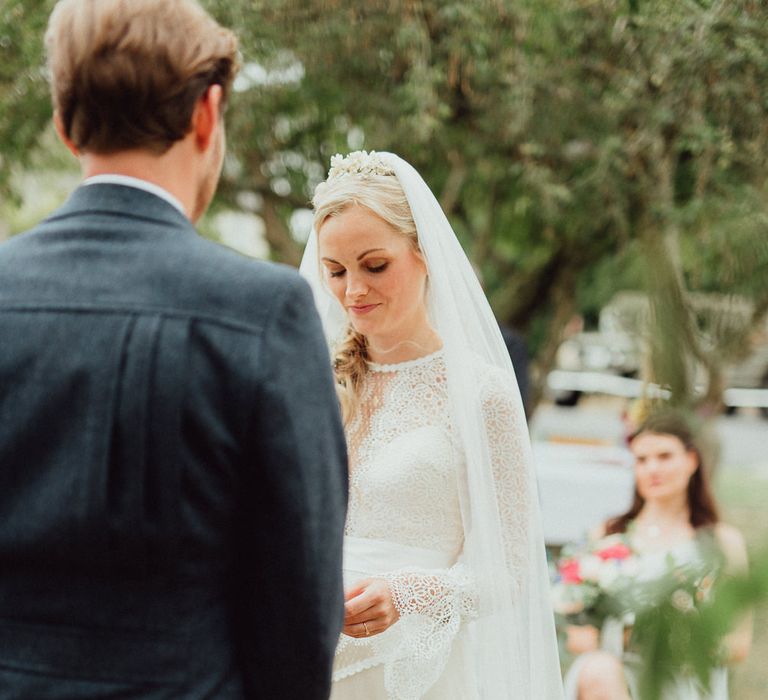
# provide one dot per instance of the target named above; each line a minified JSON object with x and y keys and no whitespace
{"x":363,"y":163}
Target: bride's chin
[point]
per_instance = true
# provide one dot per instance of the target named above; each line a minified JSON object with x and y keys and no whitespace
{"x":361,"y":326}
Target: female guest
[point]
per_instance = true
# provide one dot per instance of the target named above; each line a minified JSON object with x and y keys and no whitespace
{"x":446,"y":579}
{"x":673,"y":519}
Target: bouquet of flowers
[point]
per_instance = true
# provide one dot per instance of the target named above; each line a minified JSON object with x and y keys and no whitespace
{"x":604,"y":578}
{"x":593,"y":582}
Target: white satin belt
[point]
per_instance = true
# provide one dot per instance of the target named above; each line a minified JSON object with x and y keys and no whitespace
{"x":367,"y":557}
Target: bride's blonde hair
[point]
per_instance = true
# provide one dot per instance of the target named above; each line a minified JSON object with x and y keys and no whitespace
{"x":383,"y":195}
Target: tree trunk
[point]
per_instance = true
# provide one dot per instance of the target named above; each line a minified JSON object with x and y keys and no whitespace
{"x":282,"y":245}
{"x":670,"y":338}
{"x":671,"y":341}
{"x":563,"y":304}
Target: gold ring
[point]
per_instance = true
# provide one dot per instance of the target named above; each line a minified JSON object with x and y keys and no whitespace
{"x":367,"y":633}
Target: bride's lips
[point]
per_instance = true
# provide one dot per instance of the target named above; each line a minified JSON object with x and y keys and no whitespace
{"x":363,"y":309}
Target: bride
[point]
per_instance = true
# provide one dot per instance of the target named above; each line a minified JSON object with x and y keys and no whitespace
{"x":446,"y":582}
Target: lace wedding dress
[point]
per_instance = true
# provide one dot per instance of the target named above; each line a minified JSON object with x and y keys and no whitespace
{"x":405,"y":525}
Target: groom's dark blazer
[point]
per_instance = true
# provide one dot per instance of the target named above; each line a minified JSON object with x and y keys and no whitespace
{"x":172,"y":464}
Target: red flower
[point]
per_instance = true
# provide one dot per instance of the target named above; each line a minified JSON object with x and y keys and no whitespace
{"x":616,"y":551}
{"x":569,"y":571}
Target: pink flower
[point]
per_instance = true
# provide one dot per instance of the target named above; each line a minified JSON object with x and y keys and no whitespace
{"x":569,"y":571}
{"x":616,"y":551}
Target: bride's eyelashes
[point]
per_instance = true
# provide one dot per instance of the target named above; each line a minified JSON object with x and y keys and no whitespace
{"x":375,"y":270}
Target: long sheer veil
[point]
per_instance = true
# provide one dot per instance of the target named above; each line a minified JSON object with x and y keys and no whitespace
{"x":513,"y":638}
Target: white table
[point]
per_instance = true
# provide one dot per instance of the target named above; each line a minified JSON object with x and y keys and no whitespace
{"x":580,"y":486}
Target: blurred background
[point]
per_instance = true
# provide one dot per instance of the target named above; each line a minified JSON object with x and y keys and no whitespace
{"x":602,"y":161}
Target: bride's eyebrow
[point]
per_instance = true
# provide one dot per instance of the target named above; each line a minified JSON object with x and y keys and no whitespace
{"x":372,"y":250}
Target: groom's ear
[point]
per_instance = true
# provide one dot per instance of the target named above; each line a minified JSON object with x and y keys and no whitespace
{"x":61,"y":131}
{"x":206,"y":116}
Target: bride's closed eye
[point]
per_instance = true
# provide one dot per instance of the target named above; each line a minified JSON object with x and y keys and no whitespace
{"x":374,"y":269}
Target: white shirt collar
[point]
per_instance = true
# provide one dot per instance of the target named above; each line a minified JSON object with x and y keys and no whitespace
{"x":128,"y":181}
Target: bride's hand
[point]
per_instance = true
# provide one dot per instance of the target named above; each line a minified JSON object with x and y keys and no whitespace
{"x":368,"y":608}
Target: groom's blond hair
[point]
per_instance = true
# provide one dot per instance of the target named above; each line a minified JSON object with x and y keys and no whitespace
{"x":126,"y":74}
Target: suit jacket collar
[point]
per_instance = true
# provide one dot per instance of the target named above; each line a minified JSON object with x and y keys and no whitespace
{"x":138,"y":183}
{"x":121,"y":200}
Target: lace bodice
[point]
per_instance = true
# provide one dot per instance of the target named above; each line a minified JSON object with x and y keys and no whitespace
{"x":404,"y":465}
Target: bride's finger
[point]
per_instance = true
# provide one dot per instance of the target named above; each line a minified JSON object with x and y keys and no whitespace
{"x":359,"y":604}
{"x":367,"y":614}
{"x":360,"y":629}
{"x":372,"y":613}
{"x":356,"y":589}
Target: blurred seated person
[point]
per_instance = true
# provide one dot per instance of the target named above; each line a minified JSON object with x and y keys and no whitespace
{"x":673,"y":519}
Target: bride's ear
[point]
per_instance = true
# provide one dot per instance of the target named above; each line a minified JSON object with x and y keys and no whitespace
{"x":422,"y":261}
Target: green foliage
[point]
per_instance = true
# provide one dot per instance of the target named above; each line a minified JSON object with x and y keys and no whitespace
{"x":555,"y":134}
{"x":24,"y":102}
{"x":672,"y":641}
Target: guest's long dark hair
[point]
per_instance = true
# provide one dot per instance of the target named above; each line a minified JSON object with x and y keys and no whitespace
{"x":701,"y":502}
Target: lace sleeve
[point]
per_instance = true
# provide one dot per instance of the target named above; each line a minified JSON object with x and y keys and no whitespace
{"x":507,"y":439}
{"x":432,"y":604}
{"x":442,"y":595}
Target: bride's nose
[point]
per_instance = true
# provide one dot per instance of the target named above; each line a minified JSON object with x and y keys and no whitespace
{"x":356,"y":286}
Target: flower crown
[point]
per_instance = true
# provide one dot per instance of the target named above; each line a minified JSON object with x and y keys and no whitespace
{"x":361,"y":163}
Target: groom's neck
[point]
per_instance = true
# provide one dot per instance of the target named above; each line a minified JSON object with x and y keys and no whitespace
{"x":170,"y":170}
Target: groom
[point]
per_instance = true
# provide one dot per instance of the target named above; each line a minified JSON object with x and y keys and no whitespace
{"x":172,"y":465}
